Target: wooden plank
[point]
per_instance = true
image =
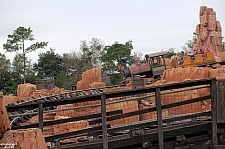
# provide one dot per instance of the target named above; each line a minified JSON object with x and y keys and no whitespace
{"x":83,"y":132}
{"x":188,"y":142}
{"x":186,"y":102}
{"x":104,"y":124}
{"x":124,"y":115}
{"x":40,"y":117}
{"x":147,"y":123}
{"x":159,"y":119}
{"x":213,"y":92}
{"x":220,"y":101}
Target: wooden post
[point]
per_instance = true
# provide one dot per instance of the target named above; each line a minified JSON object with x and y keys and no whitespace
{"x":132,"y":81}
{"x":159,"y":118}
{"x":213,"y":93}
{"x":40,"y":116}
{"x":104,"y":124}
{"x":221,"y":101}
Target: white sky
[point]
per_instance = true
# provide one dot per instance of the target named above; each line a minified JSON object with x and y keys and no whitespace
{"x":152,"y":25}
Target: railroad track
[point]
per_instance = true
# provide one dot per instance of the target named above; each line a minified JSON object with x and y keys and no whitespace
{"x":22,"y":116}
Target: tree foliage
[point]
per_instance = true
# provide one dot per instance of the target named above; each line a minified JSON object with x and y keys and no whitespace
{"x":17,"y":66}
{"x":170,"y":53}
{"x":49,"y":64}
{"x":5,"y":75}
{"x":111,"y":59}
{"x":16,"y":43}
{"x":91,"y":52}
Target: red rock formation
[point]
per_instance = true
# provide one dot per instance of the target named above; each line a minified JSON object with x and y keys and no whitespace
{"x":25,"y":90}
{"x":24,"y":139}
{"x":4,"y":122}
{"x":81,"y":85}
{"x":91,"y":79}
{"x":208,"y":32}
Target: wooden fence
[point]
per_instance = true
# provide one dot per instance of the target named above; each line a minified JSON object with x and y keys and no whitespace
{"x":120,"y":127}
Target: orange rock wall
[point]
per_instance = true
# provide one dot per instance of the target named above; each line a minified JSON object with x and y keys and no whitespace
{"x":191,"y":73}
{"x":182,"y":96}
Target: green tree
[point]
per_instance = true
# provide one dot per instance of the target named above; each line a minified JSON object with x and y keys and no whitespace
{"x":5,"y":75}
{"x":16,"y":43}
{"x":170,"y":53}
{"x":50,"y":64}
{"x":74,"y":65}
{"x":91,"y":52}
{"x":111,"y":59}
{"x":17,"y":67}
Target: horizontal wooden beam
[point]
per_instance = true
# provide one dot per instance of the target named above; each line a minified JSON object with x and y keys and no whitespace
{"x":85,"y":117}
{"x":151,"y":135}
{"x":83,"y":132}
{"x":133,"y":113}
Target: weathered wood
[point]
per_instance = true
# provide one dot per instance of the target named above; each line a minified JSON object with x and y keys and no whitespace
{"x":124,"y":115}
{"x":104,"y":124}
{"x":151,"y":135}
{"x":147,"y":123}
{"x":46,"y":83}
{"x":189,"y":142}
{"x":159,"y":118}
{"x":213,"y":93}
{"x":220,"y":101}
{"x":63,"y":101}
{"x":83,"y":132}
{"x":72,"y":100}
{"x":106,"y":80}
{"x":40,"y":116}
{"x":73,"y":86}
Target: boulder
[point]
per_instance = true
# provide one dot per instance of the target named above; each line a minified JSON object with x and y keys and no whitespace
{"x":97,"y":85}
{"x":31,"y":138}
{"x":81,"y":85}
{"x":25,"y":90}
{"x":4,"y":122}
{"x":92,"y":75}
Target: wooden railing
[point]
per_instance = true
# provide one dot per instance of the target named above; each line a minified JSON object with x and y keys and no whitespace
{"x":161,"y":127}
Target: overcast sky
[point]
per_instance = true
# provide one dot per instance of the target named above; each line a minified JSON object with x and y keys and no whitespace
{"x":152,"y":25}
